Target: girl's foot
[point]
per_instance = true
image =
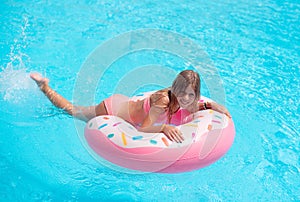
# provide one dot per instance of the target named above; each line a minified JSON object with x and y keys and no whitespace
{"x":40,"y":81}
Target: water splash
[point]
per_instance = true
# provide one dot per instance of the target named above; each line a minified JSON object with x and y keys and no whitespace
{"x":20,"y":98}
{"x":16,"y":87}
{"x":14,"y":81}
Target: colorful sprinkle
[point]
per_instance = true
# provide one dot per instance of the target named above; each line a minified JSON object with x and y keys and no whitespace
{"x":130,"y":127}
{"x":105,"y":118}
{"x":193,"y":135}
{"x":219,"y":117}
{"x":102,"y":126}
{"x":209,"y":127}
{"x":215,"y":121}
{"x":117,"y":124}
{"x":141,"y":94}
{"x":91,"y":124}
{"x":199,"y":116}
{"x":110,"y":135}
{"x":211,"y":111}
{"x":192,"y":125}
{"x":153,"y":141}
{"x":165,"y":141}
{"x":137,"y":137}
{"x":124,"y":139}
{"x":197,"y":121}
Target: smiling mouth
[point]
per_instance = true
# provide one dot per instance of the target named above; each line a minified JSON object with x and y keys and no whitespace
{"x":184,"y":103}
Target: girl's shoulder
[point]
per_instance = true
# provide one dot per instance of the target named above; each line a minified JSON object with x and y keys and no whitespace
{"x":160,"y":98}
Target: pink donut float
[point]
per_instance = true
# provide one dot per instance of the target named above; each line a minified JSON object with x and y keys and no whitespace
{"x":208,"y":136}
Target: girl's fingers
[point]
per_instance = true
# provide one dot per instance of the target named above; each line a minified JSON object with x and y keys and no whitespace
{"x":227,"y":113}
{"x":175,"y":135}
{"x":178,"y":136}
{"x":170,"y":136}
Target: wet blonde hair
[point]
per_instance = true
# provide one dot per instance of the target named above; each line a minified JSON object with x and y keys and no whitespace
{"x":181,"y":82}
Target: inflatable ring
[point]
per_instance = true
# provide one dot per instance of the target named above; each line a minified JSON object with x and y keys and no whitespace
{"x":207,"y":137}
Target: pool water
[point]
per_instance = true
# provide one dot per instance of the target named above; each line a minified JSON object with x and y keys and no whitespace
{"x":254,"y":45}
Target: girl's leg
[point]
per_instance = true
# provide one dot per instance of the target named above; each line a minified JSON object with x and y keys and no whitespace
{"x":80,"y":112}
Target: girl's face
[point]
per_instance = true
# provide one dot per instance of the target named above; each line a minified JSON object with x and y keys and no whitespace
{"x":186,"y":98}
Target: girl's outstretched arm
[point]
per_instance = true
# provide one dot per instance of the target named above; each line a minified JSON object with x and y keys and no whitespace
{"x":220,"y":108}
{"x":214,"y":106}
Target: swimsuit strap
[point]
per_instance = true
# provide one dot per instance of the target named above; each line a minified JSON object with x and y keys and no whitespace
{"x":146,"y":105}
{"x":169,"y":95}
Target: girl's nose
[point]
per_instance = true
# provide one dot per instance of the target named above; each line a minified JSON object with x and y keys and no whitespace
{"x":186,"y":97}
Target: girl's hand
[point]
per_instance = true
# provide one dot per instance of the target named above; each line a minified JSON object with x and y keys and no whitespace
{"x":172,"y":133}
{"x":220,"y":108}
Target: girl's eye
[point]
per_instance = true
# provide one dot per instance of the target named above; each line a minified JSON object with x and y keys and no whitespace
{"x":181,"y":94}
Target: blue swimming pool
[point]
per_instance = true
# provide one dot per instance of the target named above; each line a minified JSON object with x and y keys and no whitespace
{"x":254,"y":47}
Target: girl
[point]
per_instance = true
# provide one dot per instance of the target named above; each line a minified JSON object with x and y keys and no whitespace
{"x":157,"y":108}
